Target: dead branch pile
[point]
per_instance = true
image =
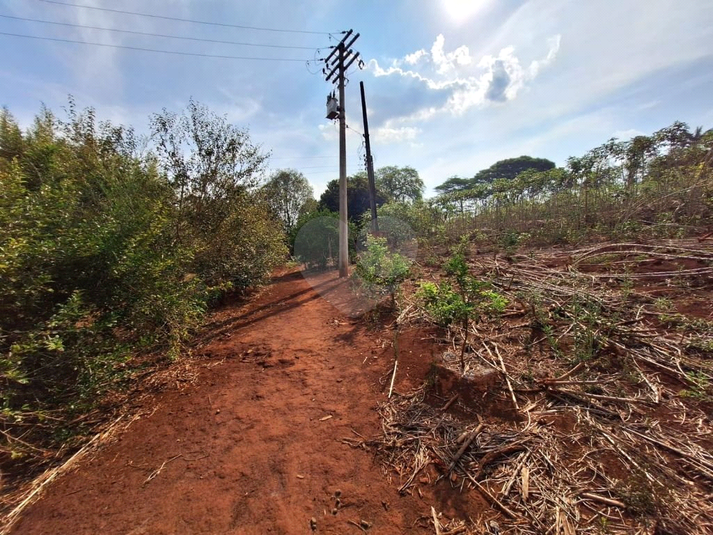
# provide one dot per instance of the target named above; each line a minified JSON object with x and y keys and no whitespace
{"x":615,"y":431}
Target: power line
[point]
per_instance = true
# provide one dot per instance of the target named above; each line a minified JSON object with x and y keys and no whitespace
{"x":321,"y":167}
{"x":154,"y":34}
{"x":141,"y":49}
{"x":302,"y":158}
{"x":193,"y":21}
{"x":311,"y":172}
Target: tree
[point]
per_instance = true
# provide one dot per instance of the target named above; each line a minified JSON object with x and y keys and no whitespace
{"x":209,"y":162}
{"x":10,"y":136}
{"x":510,"y":168}
{"x":400,"y":184}
{"x":287,"y":192}
{"x":357,"y":196}
{"x":453,"y":184}
{"x":215,"y":169}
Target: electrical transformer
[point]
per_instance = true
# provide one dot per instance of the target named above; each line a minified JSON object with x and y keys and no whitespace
{"x":332,"y":107}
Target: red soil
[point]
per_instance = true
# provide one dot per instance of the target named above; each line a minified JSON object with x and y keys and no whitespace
{"x":255,"y":445}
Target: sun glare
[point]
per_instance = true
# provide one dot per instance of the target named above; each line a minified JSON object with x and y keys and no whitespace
{"x":461,"y":10}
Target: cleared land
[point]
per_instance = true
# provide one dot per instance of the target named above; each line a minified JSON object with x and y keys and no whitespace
{"x":585,"y":407}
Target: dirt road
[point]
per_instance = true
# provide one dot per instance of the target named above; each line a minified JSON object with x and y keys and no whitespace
{"x":255,"y":445}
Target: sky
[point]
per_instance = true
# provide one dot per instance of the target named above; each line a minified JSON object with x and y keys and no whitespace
{"x":452,"y":85}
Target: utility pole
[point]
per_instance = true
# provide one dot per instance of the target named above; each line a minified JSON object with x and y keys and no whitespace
{"x":340,"y":59}
{"x":369,"y":162}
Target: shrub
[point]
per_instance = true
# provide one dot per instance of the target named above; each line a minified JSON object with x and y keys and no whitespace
{"x":104,"y":255}
{"x":379,"y":270}
{"x":461,"y":303}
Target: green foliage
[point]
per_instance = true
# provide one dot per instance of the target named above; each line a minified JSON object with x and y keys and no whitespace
{"x":647,"y":187}
{"x":287,"y":192}
{"x":700,"y":386}
{"x":423,"y":217}
{"x":106,"y":254}
{"x":454,"y":184}
{"x":461,"y":302}
{"x":444,"y":304}
{"x":379,"y":270}
{"x":399,"y":184}
{"x":214,"y":170}
{"x":315,"y":239}
{"x":510,"y":168}
{"x":357,"y":197}
{"x":507,"y":170}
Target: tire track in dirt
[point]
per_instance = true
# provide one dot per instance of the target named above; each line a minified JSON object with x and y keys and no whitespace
{"x":255,"y":446}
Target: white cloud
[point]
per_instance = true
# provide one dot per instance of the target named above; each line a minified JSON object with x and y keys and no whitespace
{"x":554,"y":47}
{"x":462,"y":10}
{"x":236,"y":107}
{"x":414,"y":58}
{"x":330,"y":132}
{"x":447,"y":62}
{"x":493,"y":79}
{"x":387,"y":134}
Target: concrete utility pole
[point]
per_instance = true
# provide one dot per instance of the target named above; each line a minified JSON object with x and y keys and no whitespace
{"x":369,"y":163}
{"x":343,"y":215}
{"x":340,"y":59}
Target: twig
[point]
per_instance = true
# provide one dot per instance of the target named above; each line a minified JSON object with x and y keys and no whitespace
{"x":393,"y":377}
{"x":507,"y":377}
{"x":48,"y":477}
{"x":506,"y":488}
{"x":493,"y":500}
{"x":603,"y":397}
{"x":465,"y":446}
{"x":156,"y":472}
{"x":602,"y":499}
{"x":355,"y":524}
{"x":450,"y":402}
{"x":436,"y":523}
{"x":670,"y":448}
{"x":491,"y":456}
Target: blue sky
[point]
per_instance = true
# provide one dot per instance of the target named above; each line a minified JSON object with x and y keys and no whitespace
{"x":452,"y":85}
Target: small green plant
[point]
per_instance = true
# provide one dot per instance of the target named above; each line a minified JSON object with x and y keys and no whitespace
{"x":627,"y":286}
{"x":380,"y":271}
{"x":637,"y":494}
{"x":663,"y":304}
{"x":603,"y":524}
{"x":699,"y":386}
{"x":462,"y":301}
{"x":589,"y":329}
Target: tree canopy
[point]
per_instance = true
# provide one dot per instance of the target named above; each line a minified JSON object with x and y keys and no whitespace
{"x":453,"y":184}
{"x":507,"y":169}
{"x":287,"y":192}
{"x":357,"y":196}
{"x":400,"y":184}
{"x":510,"y":168}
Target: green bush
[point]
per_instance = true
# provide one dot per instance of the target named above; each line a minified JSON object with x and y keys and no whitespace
{"x":314,"y":240}
{"x":105,"y":255}
{"x":380,"y":271}
{"x":423,"y":218}
{"x":460,"y":302}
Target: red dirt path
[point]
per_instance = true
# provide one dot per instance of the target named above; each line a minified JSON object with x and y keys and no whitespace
{"x":255,"y":452}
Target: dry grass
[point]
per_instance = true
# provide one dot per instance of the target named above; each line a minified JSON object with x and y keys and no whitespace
{"x":614,"y":431}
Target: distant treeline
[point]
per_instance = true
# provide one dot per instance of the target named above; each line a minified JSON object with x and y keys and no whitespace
{"x":660,"y":185}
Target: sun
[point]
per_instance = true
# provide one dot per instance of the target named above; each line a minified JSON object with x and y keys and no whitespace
{"x":461,"y":10}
